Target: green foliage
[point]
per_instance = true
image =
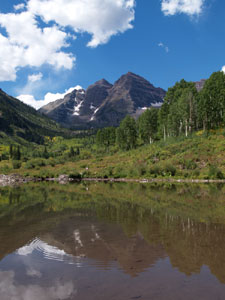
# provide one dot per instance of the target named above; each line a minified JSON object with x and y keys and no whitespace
{"x":75,"y":175}
{"x":106,"y":137}
{"x":23,"y":123}
{"x":16,"y":164}
{"x":215,"y":172}
{"x":148,"y":125}
{"x":170,"y":170}
{"x":126,"y":134}
{"x":211,"y":106}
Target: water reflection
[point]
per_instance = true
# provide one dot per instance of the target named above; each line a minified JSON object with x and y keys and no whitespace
{"x":62,"y":242}
{"x":11,"y":290}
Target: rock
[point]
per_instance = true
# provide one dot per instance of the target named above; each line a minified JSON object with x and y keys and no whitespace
{"x":62,"y":179}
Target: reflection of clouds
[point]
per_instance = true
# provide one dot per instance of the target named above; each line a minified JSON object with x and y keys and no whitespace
{"x":33,"y":273}
{"x":11,"y":291}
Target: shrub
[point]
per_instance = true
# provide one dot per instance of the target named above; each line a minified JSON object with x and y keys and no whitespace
{"x":140,"y":167}
{"x":215,"y":172}
{"x":171,"y":170}
{"x":119,"y":172}
{"x":75,"y":175}
{"x":188,"y":164}
{"x":155,"y":170}
{"x":36,"y":162}
{"x":16,"y":164}
{"x":29,"y":165}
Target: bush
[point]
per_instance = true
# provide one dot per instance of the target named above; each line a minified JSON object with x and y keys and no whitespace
{"x":29,"y":165}
{"x":170,"y":170}
{"x":37,"y":162}
{"x":188,"y":164}
{"x":51,"y":162}
{"x":16,"y":164}
{"x":45,"y":174}
{"x":155,"y":170}
{"x":119,"y":172}
{"x":140,"y":167}
{"x":75,"y":175}
{"x":215,"y":172}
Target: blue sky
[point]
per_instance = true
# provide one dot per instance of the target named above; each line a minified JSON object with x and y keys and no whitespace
{"x":49,"y":46}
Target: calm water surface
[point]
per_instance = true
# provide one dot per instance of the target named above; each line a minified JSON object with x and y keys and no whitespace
{"x":112,"y":241}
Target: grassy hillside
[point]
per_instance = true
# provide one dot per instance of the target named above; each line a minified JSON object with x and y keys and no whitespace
{"x":20,"y":122}
{"x":200,"y":156}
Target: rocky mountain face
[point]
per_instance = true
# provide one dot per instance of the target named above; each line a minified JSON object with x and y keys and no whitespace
{"x":104,"y":104}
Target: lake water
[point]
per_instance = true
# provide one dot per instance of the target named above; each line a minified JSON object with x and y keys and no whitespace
{"x":95,"y":241}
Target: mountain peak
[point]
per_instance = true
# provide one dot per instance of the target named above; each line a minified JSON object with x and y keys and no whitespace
{"x":102,"y":81}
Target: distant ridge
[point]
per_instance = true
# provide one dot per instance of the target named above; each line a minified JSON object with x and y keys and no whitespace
{"x":21,"y":122}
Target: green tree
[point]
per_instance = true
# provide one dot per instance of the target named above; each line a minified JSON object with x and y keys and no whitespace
{"x":211,"y":106}
{"x":126,"y":134}
{"x":106,"y":137}
{"x":178,"y":114}
{"x":148,"y":125}
{"x":71,"y":153}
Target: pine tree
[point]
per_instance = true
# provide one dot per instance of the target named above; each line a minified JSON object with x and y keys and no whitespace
{"x":71,"y":153}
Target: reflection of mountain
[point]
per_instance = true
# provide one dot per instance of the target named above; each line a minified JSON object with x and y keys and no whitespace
{"x":104,"y":244}
{"x":134,"y":235}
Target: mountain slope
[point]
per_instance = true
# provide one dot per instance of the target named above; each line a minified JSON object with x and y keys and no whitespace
{"x":104,"y":104}
{"x":18,"y":120}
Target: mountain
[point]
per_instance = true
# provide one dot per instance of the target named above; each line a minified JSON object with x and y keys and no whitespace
{"x":104,"y":104}
{"x":19,"y":122}
{"x":131,"y":94}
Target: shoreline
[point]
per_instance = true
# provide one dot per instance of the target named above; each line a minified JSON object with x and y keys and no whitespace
{"x":15,"y":179}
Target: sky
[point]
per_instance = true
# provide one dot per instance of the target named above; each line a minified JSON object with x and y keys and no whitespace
{"x":49,"y":47}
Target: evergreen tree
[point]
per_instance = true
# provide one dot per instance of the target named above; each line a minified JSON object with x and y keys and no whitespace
{"x":11,"y":151}
{"x":71,"y":153}
{"x":17,"y":153}
{"x":45,"y":153}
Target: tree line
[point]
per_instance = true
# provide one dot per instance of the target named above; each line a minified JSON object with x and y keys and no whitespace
{"x":184,"y":111}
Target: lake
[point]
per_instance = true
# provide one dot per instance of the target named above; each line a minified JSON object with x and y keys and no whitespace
{"x":95,"y":241}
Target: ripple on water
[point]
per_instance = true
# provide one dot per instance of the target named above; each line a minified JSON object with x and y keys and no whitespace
{"x":49,"y":252}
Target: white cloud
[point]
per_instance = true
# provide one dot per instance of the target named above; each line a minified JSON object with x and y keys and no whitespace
{"x":26,"y":44}
{"x":19,"y":6}
{"x":189,"y":7}
{"x":35,"y":77}
{"x":29,"y":45}
{"x":49,"y":97}
{"x":100,"y":18}
{"x":223,"y":69}
{"x":166,"y":48}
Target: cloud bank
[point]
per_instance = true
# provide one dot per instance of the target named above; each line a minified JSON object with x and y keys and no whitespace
{"x":189,"y":7}
{"x":49,"y":97}
{"x":29,"y":44}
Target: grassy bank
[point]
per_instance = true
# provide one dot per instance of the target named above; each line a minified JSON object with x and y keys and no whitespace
{"x":200,"y":156}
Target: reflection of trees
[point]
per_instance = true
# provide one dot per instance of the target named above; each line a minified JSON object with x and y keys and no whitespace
{"x":183,"y":222}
